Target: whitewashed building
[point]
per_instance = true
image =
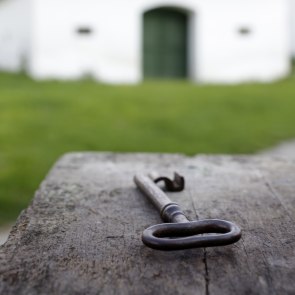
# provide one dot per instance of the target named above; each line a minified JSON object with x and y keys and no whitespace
{"x":117,"y":41}
{"x":292,"y":26}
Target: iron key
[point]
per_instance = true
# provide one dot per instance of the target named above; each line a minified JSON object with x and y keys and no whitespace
{"x":178,"y":232}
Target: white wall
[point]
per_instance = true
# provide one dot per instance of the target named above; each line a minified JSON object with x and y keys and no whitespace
{"x":227,"y":56}
{"x":14,"y":34}
{"x":292,"y":25}
{"x":113,"y":53}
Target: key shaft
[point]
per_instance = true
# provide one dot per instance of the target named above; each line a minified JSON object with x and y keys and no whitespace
{"x":169,"y":211}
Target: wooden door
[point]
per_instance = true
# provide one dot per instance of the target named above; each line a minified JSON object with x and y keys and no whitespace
{"x":165,"y":44}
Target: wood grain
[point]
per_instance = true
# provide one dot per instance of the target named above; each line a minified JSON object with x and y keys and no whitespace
{"x":82,"y":232}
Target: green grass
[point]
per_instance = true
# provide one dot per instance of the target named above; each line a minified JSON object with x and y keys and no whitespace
{"x":40,"y":121}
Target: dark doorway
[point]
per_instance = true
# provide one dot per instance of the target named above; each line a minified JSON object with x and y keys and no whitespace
{"x":165,"y":43}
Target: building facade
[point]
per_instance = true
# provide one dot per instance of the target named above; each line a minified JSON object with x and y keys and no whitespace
{"x":116,"y":41}
{"x":292,"y":26}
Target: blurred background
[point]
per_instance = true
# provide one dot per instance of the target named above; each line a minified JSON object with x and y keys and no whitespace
{"x":189,"y":76}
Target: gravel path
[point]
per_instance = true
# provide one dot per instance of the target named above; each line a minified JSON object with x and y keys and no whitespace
{"x":285,"y":149}
{"x":4,"y":232}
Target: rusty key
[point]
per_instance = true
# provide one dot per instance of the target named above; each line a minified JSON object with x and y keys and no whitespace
{"x":178,"y":232}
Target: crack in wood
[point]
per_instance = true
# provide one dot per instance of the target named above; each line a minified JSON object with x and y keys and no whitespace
{"x":206,"y":271}
{"x":206,"y":276}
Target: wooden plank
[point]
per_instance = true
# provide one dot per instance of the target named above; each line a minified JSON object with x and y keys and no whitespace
{"x":81,"y":234}
{"x":249,"y":193}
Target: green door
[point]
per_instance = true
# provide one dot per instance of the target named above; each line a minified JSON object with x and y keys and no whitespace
{"x":165,"y":44}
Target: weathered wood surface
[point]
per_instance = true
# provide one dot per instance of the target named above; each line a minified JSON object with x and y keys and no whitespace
{"x":81,"y":234}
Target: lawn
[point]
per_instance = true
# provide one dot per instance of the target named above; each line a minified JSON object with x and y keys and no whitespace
{"x":40,"y":121}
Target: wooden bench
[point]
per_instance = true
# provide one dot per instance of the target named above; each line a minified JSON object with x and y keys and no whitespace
{"x":82,"y":232}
